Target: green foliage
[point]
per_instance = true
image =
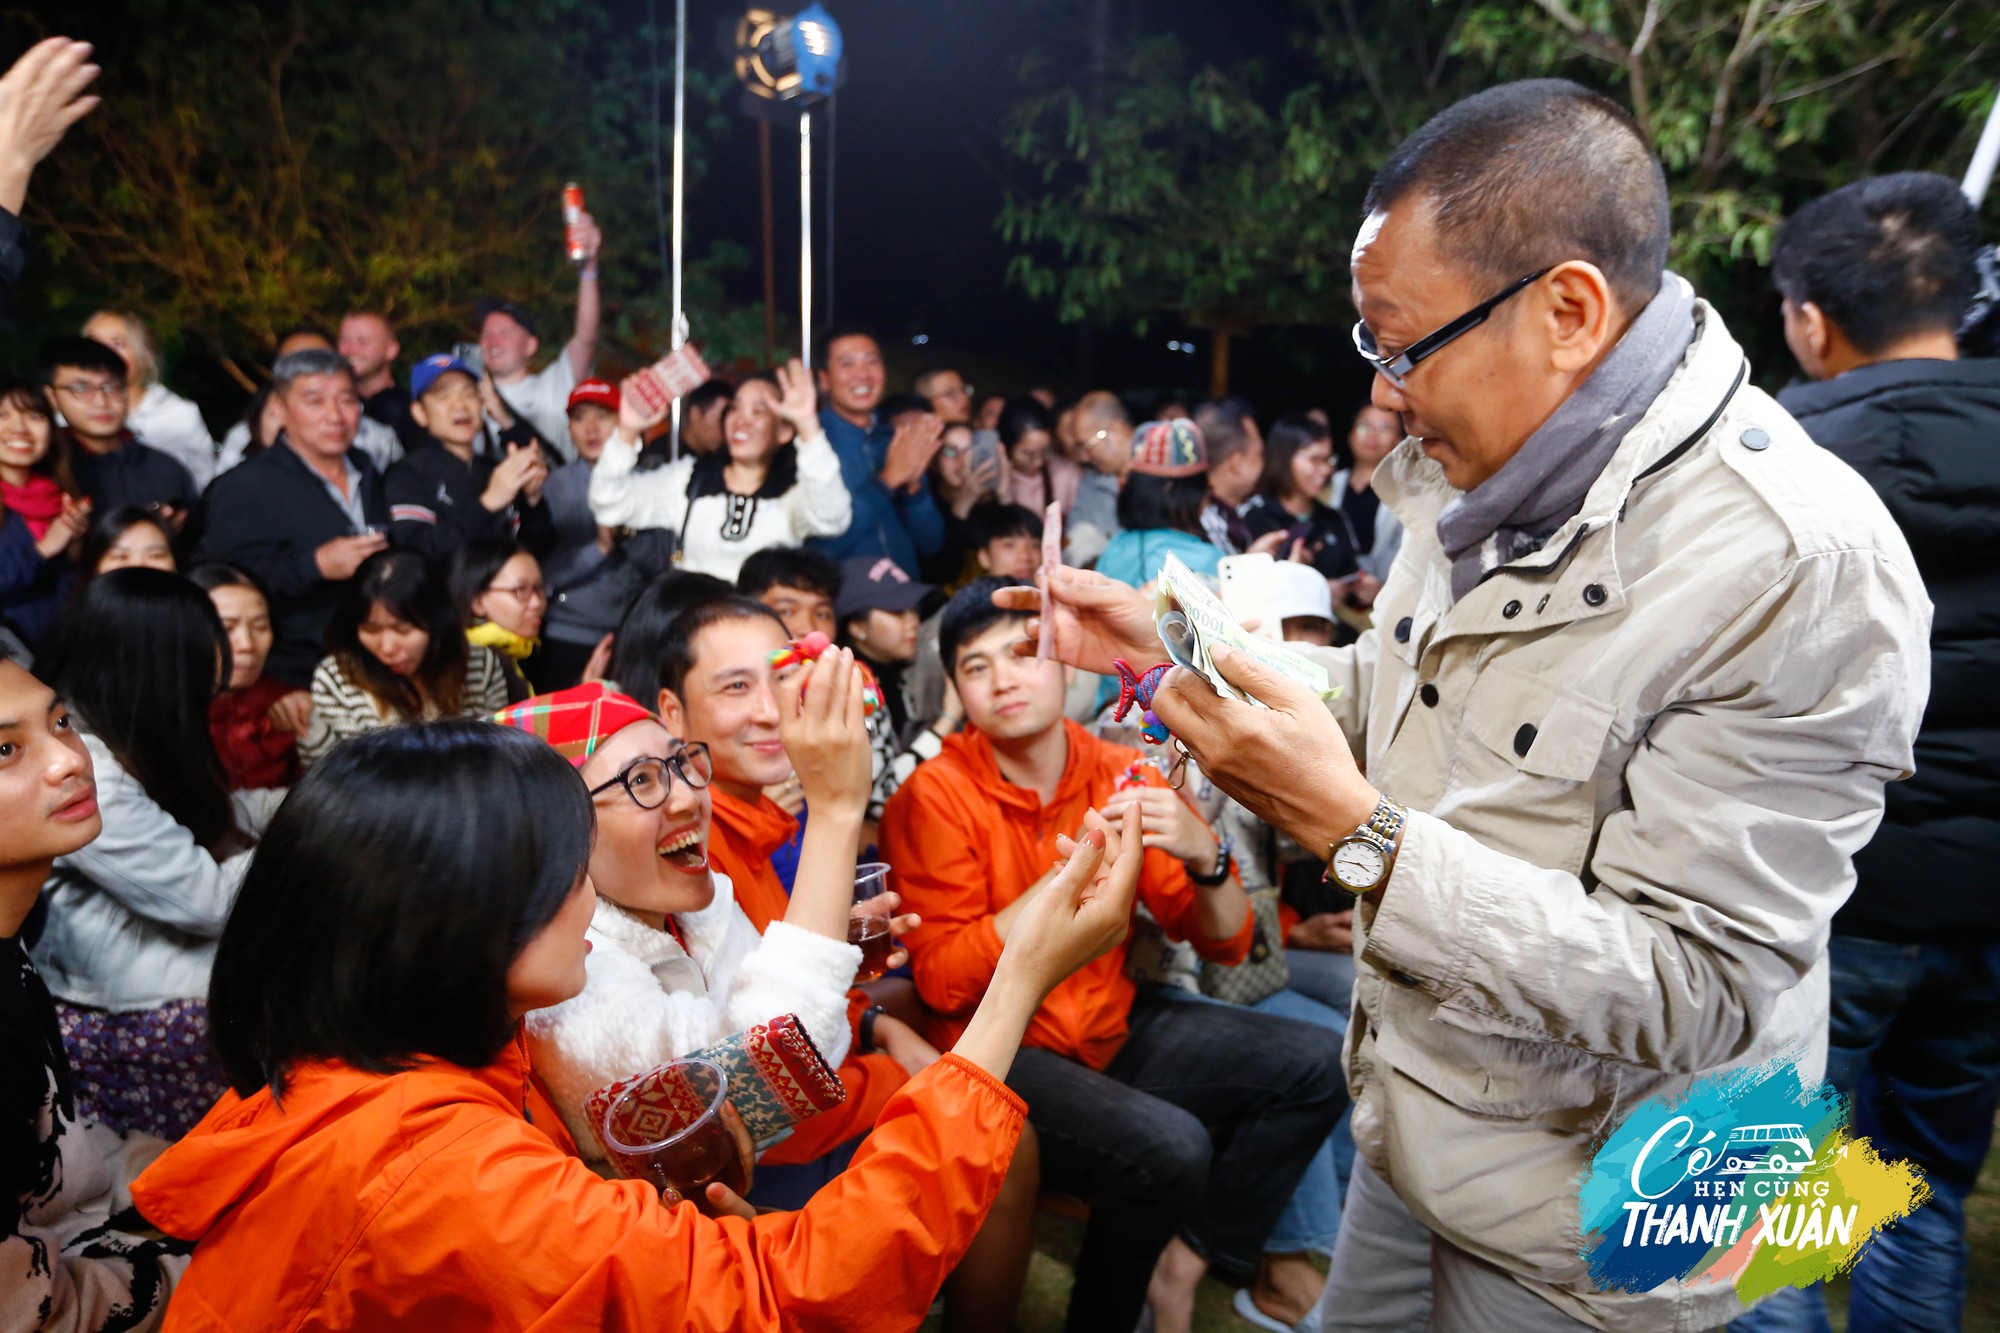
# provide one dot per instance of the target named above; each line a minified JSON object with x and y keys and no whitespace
{"x":255,"y":165}
{"x":1229,"y":196}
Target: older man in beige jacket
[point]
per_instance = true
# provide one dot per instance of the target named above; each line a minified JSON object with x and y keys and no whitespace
{"x":1639,"y":674}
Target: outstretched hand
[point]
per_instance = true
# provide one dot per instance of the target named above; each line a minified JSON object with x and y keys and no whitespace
{"x":40,"y":98}
{"x":1082,"y":914}
{"x":1097,"y":619}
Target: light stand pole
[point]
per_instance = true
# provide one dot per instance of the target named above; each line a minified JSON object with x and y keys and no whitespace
{"x":805,"y":238}
{"x":678,"y":335}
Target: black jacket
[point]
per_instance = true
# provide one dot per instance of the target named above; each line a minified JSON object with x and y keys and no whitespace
{"x":268,"y":515}
{"x":1926,"y":435}
{"x":434,"y":503}
{"x":133,"y":474}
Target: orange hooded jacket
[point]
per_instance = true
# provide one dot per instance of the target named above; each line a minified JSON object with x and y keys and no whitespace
{"x":426,"y":1200}
{"x":741,"y":838}
{"x":965,"y":843}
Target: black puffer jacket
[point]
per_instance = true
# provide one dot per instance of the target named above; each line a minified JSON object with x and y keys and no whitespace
{"x":1926,"y":435}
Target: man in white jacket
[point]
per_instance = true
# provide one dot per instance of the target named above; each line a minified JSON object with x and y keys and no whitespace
{"x":1641,"y":669}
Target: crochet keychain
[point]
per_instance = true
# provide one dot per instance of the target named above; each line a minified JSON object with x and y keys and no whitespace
{"x":1137,"y":687}
{"x":809,"y":649}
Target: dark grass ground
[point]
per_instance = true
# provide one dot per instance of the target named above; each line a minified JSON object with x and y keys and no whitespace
{"x":1056,"y":1239}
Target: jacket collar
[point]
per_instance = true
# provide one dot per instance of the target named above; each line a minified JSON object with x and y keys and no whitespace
{"x":1575,"y":575}
{"x":758,"y":830}
{"x":973,"y":751}
{"x":620,"y":929}
{"x":1864,"y":382}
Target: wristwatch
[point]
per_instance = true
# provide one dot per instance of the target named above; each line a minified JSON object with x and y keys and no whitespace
{"x":1361,"y":860}
{"x":1220,"y":873}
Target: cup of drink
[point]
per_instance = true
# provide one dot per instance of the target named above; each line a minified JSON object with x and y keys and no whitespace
{"x":868,"y":925}
{"x":668,"y":1128}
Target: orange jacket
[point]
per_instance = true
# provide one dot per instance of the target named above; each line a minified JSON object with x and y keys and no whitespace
{"x":965,"y":842}
{"x":426,"y":1201}
{"x":741,"y":838}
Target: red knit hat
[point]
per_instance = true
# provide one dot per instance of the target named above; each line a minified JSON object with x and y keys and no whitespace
{"x":577,"y":720}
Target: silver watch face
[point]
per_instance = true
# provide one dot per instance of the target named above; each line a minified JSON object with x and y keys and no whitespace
{"x":1358,"y":864}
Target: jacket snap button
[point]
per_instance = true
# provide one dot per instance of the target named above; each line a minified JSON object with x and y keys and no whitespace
{"x":1524,"y":739}
{"x":1511,"y":610}
{"x":1403,"y":630}
{"x":1594,"y":594}
{"x":1429,"y":694}
{"x":1542,"y":605}
{"x":1402,"y":978}
{"x":1756,"y":438}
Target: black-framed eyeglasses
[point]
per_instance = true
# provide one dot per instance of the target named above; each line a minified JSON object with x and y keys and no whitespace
{"x":648,"y":780}
{"x":1396,"y":369}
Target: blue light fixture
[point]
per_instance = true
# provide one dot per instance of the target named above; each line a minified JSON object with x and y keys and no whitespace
{"x":793,"y":58}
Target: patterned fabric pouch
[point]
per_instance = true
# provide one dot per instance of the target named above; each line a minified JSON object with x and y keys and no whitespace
{"x":777,"y":1077}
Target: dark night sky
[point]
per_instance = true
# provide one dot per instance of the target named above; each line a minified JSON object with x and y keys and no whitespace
{"x":919,"y":177}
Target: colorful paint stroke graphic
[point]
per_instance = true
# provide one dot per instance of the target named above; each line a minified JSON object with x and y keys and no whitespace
{"x":1749,"y":1179}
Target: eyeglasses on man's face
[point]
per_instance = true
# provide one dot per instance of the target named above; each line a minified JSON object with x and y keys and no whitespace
{"x":84,"y":389}
{"x":648,"y":780}
{"x":1396,"y":369}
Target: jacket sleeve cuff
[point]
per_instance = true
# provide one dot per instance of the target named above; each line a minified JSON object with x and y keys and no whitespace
{"x":1417,"y":925}
{"x":972,"y":1071}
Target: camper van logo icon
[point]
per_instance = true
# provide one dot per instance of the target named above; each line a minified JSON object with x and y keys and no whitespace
{"x":1766,"y":1150}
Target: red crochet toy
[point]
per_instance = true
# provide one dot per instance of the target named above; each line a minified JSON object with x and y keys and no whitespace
{"x":809,"y":649}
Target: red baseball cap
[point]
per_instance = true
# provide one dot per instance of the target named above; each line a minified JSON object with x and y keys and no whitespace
{"x":602,"y":392}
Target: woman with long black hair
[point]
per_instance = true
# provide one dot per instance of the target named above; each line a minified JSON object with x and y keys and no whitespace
{"x":384,"y":1160}
{"x":397,"y":653}
{"x":133,"y":917}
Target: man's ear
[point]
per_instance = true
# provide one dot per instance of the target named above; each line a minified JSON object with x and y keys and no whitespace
{"x":418,"y":414}
{"x":819,"y":378}
{"x":979,"y":557}
{"x":1818,"y":329}
{"x":395,"y":350}
{"x":672,"y":713}
{"x":1581,"y":314}
{"x":534,"y":346}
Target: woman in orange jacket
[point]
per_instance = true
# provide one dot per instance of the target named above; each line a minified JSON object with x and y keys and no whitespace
{"x":381,"y":1162}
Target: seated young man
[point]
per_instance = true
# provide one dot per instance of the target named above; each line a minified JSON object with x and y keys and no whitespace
{"x":1124,"y":1087}
{"x":86,"y":383}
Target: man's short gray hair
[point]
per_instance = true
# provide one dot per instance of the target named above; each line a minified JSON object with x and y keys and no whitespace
{"x":311,"y":361}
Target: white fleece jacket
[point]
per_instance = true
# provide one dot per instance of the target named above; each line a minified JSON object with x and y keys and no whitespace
{"x":646,"y":1000}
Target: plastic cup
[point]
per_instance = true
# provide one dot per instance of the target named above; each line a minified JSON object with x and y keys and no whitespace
{"x":668,"y":1129}
{"x":868,"y":923}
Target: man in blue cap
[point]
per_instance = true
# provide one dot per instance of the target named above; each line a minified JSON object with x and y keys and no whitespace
{"x":448,"y":492}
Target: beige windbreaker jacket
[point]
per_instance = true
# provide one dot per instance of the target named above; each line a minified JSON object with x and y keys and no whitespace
{"x":1638,"y":764}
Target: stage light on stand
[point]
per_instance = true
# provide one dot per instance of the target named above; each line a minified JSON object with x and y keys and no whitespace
{"x":792,"y":61}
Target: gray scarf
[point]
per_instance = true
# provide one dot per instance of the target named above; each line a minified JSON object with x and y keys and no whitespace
{"x":1514,"y":511}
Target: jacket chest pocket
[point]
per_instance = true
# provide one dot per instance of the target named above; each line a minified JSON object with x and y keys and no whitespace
{"x":1524,"y":769}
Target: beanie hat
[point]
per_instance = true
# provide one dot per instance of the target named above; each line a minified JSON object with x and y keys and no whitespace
{"x":578,"y":720}
{"x":1169,"y":449}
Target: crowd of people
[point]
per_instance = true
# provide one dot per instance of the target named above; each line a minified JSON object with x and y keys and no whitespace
{"x":424,"y":755}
